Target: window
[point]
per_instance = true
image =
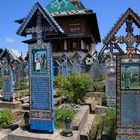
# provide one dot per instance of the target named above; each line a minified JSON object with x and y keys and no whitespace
{"x":75,"y":28}
{"x":74,"y":45}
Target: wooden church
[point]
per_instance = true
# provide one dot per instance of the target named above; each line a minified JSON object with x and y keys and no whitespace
{"x":71,"y":28}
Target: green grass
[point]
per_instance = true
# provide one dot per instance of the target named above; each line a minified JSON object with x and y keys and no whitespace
{"x":134,"y":85}
{"x":95,"y":128}
{"x":22,"y":93}
{"x":61,"y":114}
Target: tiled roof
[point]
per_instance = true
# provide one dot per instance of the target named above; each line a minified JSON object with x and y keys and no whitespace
{"x":64,"y":5}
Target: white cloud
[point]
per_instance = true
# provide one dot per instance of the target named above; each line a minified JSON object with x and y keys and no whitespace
{"x":9,"y":40}
{"x":124,"y":49}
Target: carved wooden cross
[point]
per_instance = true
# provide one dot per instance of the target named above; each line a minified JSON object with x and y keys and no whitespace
{"x":130,"y":39}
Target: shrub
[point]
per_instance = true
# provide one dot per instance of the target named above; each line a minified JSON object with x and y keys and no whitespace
{"x":74,"y":86}
{"x":61,"y":114}
{"x":24,"y":93}
{"x":98,"y":87}
{"x":96,"y":126}
{"x":60,"y":82}
{"x":101,"y":76}
{"x":5,"y":118}
{"x":110,"y":122}
{"x":24,"y":83}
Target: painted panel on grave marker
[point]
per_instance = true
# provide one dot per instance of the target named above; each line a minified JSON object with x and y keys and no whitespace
{"x":130,"y":74}
{"x":41,"y":87}
{"x":39,"y":60}
{"x":128,"y":97}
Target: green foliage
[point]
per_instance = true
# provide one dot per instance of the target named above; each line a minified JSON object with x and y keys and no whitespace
{"x":61,"y":114}
{"x":98,"y":119}
{"x":77,"y":86}
{"x":98,"y":87}
{"x":60,"y":82}
{"x":110,"y":123}
{"x":24,"y":92}
{"x":101,"y":76}
{"x":24,"y":83}
{"x":5,"y":118}
{"x":74,"y":86}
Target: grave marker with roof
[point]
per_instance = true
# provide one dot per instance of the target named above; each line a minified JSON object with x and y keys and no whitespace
{"x":128,"y":74}
{"x":39,"y":23}
{"x":81,"y":34}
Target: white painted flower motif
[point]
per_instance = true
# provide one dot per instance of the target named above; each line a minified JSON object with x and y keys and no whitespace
{"x":119,"y":131}
{"x":89,"y":61}
{"x":130,"y":131}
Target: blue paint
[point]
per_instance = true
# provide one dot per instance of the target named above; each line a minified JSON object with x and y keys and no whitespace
{"x":64,"y":68}
{"x":17,"y":76}
{"x":7,"y":83}
{"x":77,"y":66}
{"x":70,"y":66}
{"x":56,"y":67}
{"x":119,"y":138}
{"x":111,"y":84}
{"x":128,"y":100}
{"x":130,"y":108}
{"x":39,"y":125}
{"x":42,"y":103}
{"x":39,"y":93}
{"x":40,"y":68}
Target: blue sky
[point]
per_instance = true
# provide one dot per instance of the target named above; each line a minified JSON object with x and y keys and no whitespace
{"x":108,"y":12}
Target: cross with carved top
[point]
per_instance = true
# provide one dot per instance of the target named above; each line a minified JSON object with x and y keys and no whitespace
{"x":130,"y":39}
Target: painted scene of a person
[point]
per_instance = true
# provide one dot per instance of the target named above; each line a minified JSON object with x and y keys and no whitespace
{"x":130,"y":77}
{"x":40,"y":61}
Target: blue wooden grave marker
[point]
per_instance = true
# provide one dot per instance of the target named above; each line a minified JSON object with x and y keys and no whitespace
{"x":77,"y":62}
{"x":17,"y":76}
{"x":7,"y":81}
{"x":56,"y":67}
{"x":38,"y":23}
{"x":70,"y":66}
{"x":41,"y":87}
{"x":64,"y":65}
{"x":128,"y":84}
{"x":128,"y":97}
{"x":110,"y":84}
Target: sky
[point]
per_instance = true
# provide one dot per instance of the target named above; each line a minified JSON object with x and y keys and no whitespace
{"x":107,"y":11}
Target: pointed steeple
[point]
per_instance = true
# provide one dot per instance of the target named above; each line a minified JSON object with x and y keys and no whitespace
{"x":64,"y":5}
